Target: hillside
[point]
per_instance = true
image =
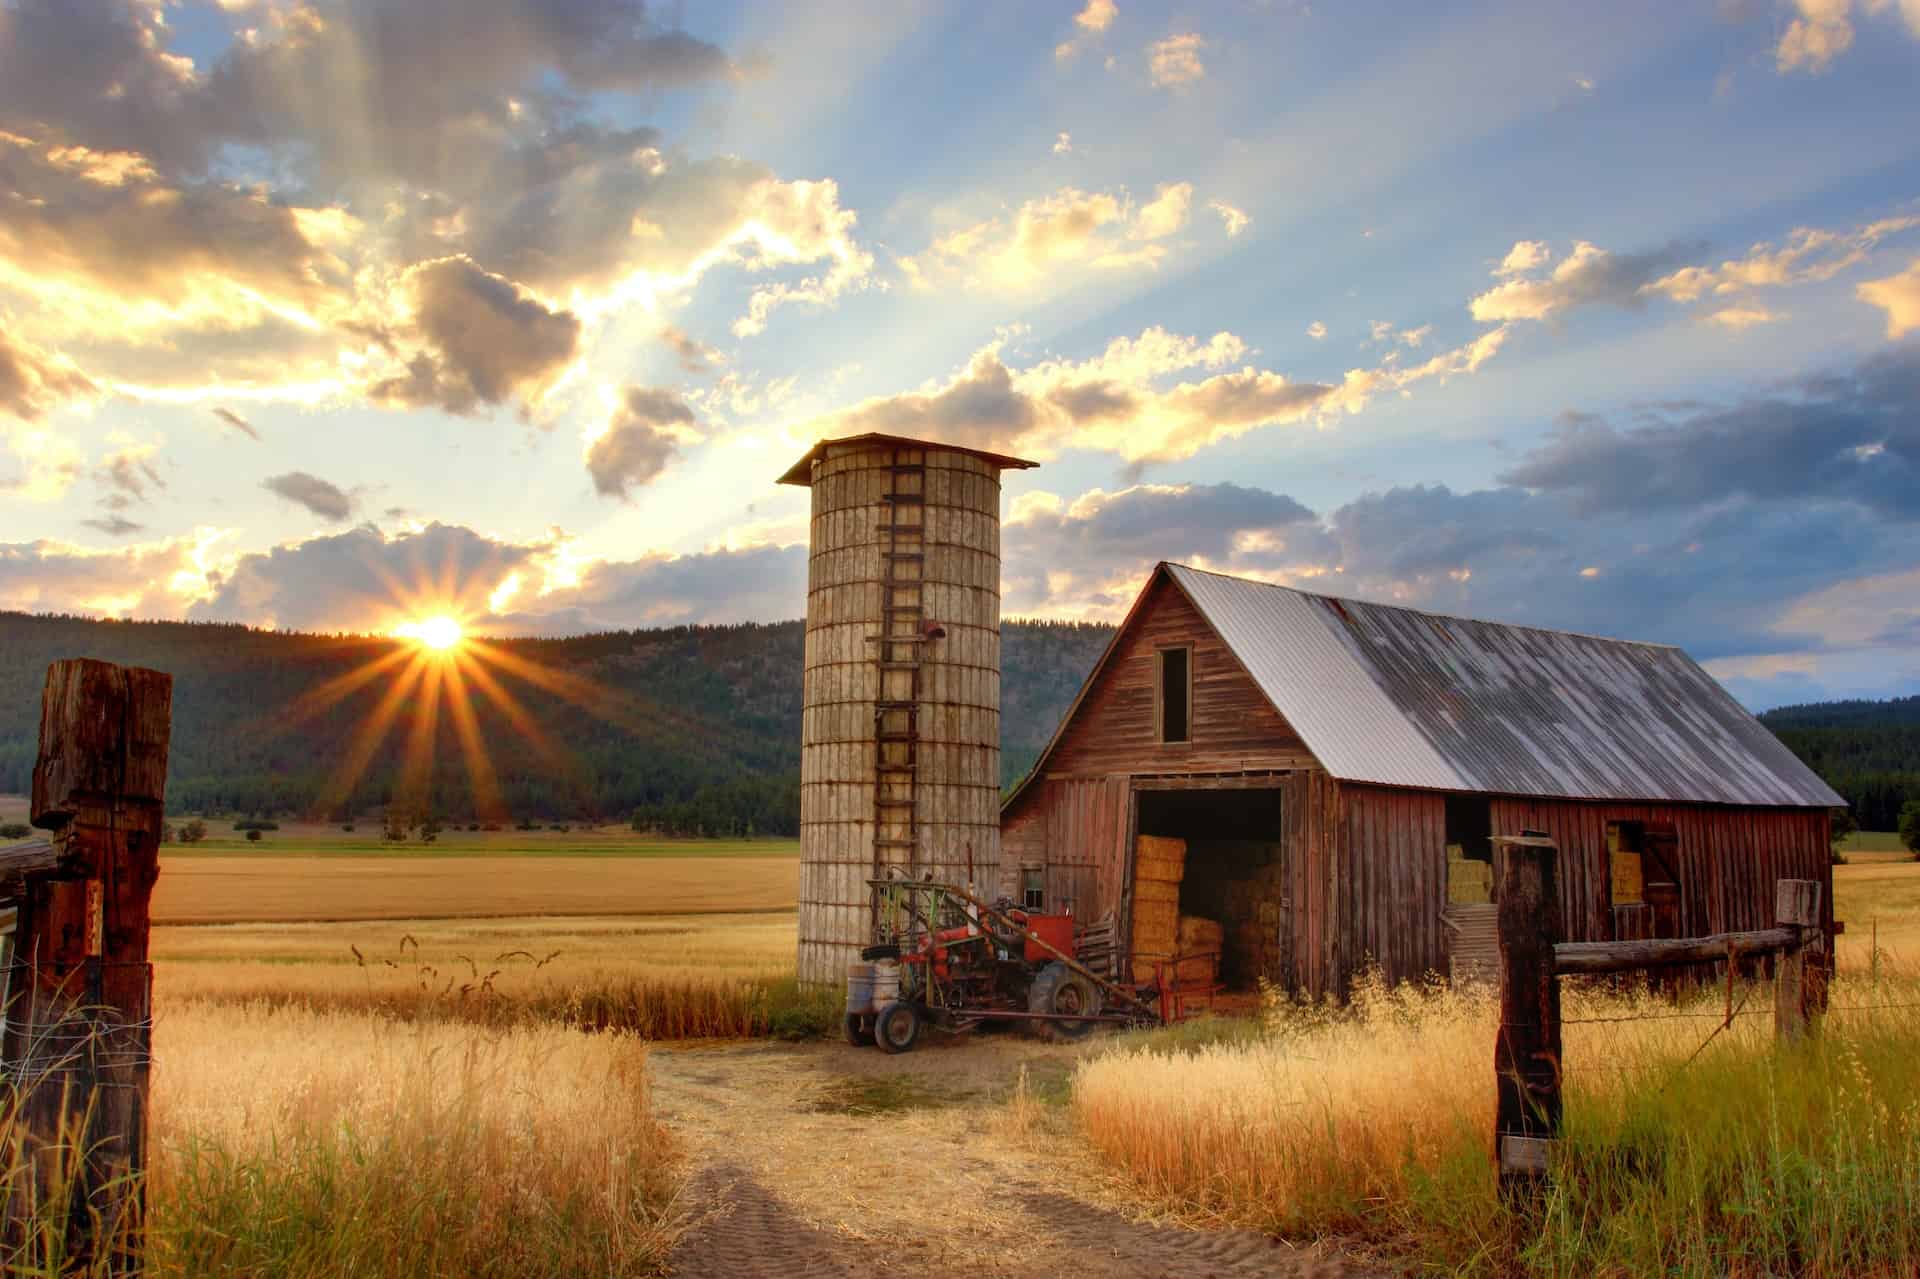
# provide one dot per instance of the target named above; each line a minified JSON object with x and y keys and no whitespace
{"x":697,"y":726}
{"x":1868,"y":751}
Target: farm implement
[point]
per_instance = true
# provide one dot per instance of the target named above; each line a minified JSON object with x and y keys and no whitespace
{"x":946,"y":959}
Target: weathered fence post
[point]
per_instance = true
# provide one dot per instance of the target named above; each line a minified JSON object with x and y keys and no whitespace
{"x":1796,"y":907}
{"x":78,"y":1033}
{"x":1526,"y":1054}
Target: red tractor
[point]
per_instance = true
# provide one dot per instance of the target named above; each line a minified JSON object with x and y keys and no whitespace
{"x":945,"y":957}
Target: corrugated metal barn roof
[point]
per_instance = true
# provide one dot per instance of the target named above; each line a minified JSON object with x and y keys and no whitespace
{"x":1404,"y":698}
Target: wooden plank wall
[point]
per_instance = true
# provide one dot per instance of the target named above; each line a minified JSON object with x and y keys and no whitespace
{"x":1234,"y":726}
{"x":1390,"y":884}
{"x":1309,"y":808}
{"x":1730,"y":859}
{"x":1077,"y":829}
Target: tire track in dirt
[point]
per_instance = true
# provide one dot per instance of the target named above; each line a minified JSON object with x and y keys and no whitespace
{"x":787,"y":1185}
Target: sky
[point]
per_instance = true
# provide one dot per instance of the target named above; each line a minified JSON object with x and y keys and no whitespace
{"x":335,"y":314}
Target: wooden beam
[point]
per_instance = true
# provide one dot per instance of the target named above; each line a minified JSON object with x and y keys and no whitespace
{"x":1587,"y":958}
{"x":34,"y":856}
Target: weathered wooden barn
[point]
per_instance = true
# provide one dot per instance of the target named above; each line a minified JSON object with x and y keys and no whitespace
{"x":1337,"y":768}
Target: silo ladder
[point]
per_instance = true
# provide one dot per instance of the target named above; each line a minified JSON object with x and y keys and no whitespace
{"x":899,"y":647}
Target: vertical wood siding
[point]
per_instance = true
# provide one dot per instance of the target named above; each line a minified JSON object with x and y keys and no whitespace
{"x":1234,"y":726}
{"x":1391,"y":872}
{"x":1730,"y":859}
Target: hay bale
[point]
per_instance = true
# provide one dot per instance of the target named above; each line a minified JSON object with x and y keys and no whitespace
{"x":1156,"y":857}
{"x":1156,"y":919}
{"x":1195,"y":933}
{"x":1159,"y":891}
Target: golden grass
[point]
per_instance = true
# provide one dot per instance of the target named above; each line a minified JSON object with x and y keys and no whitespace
{"x":333,"y":1145}
{"x":287,"y":887}
{"x":1877,"y":893}
{"x":1376,"y":1122}
{"x":698,"y":977}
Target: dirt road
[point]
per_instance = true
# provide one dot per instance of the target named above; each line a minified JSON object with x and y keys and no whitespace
{"x":829,"y":1161}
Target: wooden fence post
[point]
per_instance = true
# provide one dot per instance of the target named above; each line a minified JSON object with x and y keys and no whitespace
{"x":1796,"y":906}
{"x":1526,"y":1055}
{"x":78,"y":1035}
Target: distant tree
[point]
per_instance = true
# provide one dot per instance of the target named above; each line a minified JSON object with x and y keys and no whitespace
{"x":430,"y":828}
{"x":396,"y":831}
{"x":192,"y":832}
{"x":1842,"y":826}
{"x":1910,"y":827}
{"x":166,"y":832}
{"x":15,"y":830}
{"x":346,"y":825}
{"x":253,"y":834}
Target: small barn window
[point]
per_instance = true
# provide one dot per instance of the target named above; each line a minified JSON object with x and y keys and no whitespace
{"x":1033,"y":888}
{"x":1175,"y":694}
{"x":1626,"y":842}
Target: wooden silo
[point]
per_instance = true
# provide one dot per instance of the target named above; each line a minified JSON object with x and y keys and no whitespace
{"x":900,"y":727}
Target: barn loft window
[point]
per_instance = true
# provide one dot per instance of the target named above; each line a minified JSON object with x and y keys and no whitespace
{"x":1175,"y":694}
{"x":1033,"y":888}
{"x":1469,"y":849}
{"x":1626,"y":842}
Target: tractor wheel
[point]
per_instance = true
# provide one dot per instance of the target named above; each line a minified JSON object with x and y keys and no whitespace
{"x":897,"y":1028}
{"x":1058,"y":990}
{"x":886,"y":950}
{"x":860,"y":1029}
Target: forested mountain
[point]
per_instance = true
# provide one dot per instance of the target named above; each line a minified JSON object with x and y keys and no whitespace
{"x":1868,"y":751}
{"x":695,"y":728}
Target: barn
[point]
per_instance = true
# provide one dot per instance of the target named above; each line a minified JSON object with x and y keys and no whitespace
{"x":1333,"y":771}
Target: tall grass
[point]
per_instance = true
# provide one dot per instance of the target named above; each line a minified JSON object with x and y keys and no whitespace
{"x":1375,"y":1122}
{"x":351,"y":1145}
{"x":333,"y":1146}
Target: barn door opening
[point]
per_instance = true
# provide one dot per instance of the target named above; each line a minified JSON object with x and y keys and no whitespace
{"x":1644,"y":864}
{"x":1210,"y":877}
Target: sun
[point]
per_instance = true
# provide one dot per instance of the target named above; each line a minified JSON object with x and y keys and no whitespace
{"x":439,"y":633}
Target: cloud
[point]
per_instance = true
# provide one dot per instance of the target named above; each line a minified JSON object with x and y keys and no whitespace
{"x":1316,"y":330}
{"x":1046,"y":236}
{"x":237,"y":422}
{"x":486,"y":339}
{"x":695,"y":356}
{"x":33,"y":383}
{"x":1524,"y":256}
{"x":1815,"y":38}
{"x":1810,"y":256}
{"x":1089,"y":23}
{"x":1587,"y":276}
{"x":1062,"y":143}
{"x":1899,"y":296}
{"x":1174,"y":63}
{"x":128,"y":471}
{"x":1233,"y":219}
{"x":150,"y":579}
{"x":1130,"y":400}
{"x":115,"y":525}
{"x":1841,"y":438}
{"x":317,"y":495}
{"x":639,"y":440}
{"x":1743,"y":317}
{"x":251,"y":223}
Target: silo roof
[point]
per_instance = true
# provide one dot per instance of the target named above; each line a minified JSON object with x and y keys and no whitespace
{"x":801,"y":472}
{"x":1398,"y":697}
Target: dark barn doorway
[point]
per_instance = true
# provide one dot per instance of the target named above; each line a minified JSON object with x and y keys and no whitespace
{"x":1235,"y":874}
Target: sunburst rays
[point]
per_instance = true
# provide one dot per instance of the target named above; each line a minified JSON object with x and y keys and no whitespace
{"x":438,"y":669}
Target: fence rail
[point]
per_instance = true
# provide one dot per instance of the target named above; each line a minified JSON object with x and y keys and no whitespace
{"x":1527,"y":1054}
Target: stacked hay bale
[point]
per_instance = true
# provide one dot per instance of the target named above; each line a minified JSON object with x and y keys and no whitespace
{"x":1159,"y":864}
{"x":1200,"y":942}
